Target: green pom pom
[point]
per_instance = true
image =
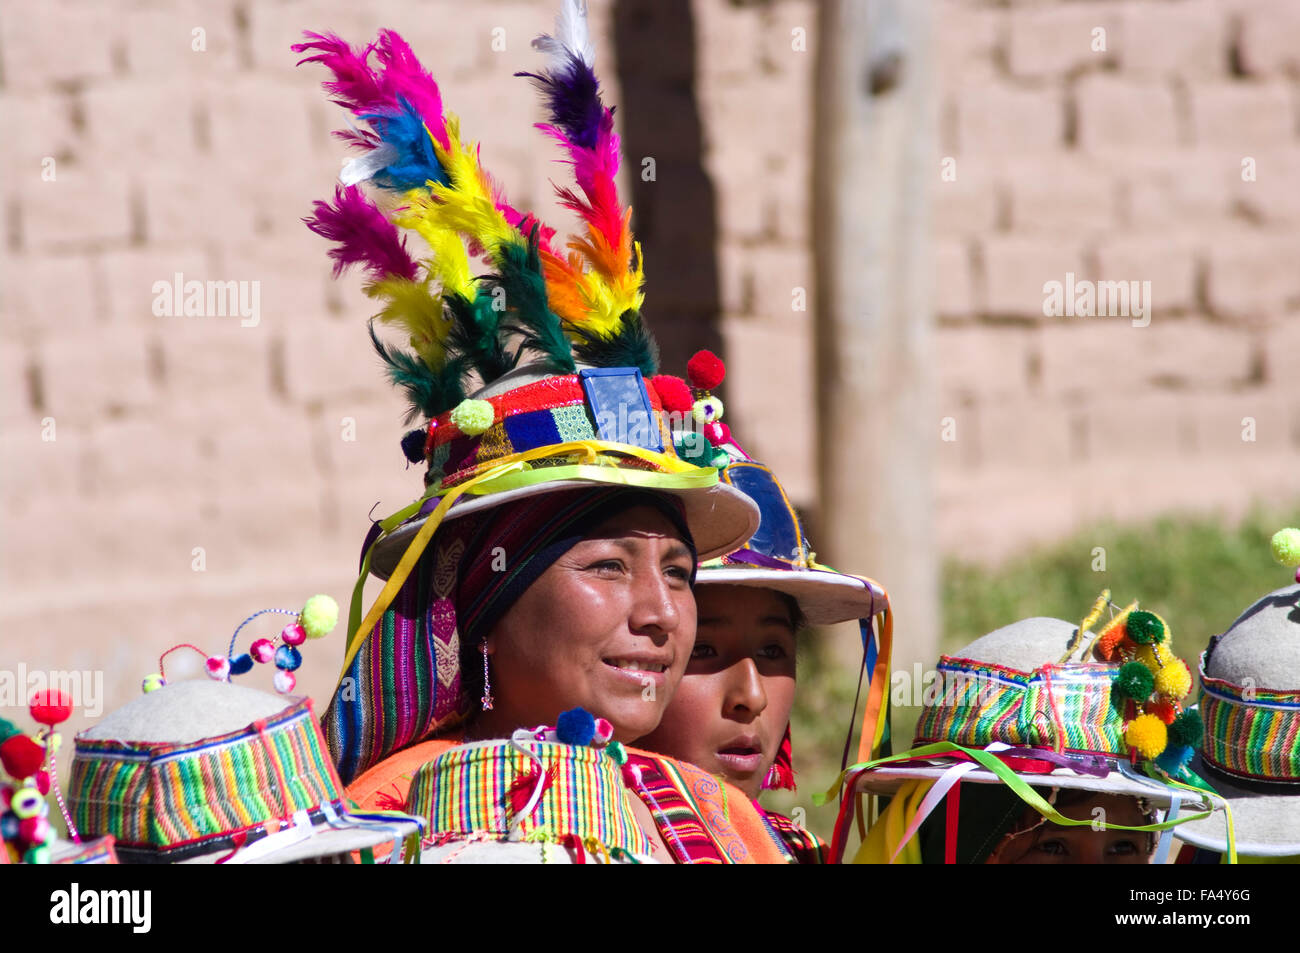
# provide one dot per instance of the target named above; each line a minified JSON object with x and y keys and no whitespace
{"x":7,"y":730}
{"x":1187,"y":729}
{"x":1286,"y":547}
{"x":616,"y":751}
{"x":319,"y":616}
{"x":1134,"y":681}
{"x":473,"y":417}
{"x":1145,"y":628}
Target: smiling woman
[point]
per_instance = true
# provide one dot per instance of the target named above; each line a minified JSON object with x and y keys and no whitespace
{"x":537,"y":610}
{"x":620,"y":605}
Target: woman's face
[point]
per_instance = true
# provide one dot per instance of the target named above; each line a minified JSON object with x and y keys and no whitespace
{"x":1049,"y":843}
{"x":733,"y":705}
{"x":607,"y":627}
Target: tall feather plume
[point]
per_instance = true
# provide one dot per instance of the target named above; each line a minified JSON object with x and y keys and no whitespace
{"x":408,"y":144}
{"x":593,"y":303}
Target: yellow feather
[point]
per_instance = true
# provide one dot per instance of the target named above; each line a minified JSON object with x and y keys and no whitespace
{"x":412,"y":306}
{"x":450,"y":264}
{"x":466,"y":206}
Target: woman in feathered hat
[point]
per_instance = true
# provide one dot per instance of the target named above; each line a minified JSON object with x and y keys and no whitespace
{"x":540,"y":590}
{"x":731,"y":713}
{"x":1044,"y":743}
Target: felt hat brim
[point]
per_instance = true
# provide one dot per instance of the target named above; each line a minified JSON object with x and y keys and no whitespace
{"x":326,"y":841}
{"x":824,"y":597}
{"x":1265,"y":825}
{"x":1122,"y":780}
{"x":720,"y":518}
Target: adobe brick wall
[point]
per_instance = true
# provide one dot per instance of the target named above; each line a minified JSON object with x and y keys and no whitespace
{"x":199,"y":469}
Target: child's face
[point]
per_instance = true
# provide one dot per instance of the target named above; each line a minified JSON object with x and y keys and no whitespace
{"x":1049,"y":843}
{"x":732,"y":707}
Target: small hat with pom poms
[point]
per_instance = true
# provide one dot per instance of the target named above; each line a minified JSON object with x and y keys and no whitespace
{"x":1250,"y":703}
{"x":255,"y":762}
{"x":1053,"y":704}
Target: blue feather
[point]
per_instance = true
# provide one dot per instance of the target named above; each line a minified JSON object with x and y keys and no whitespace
{"x":403,"y":129}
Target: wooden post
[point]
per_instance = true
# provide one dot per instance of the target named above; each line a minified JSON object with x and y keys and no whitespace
{"x":874,"y":162}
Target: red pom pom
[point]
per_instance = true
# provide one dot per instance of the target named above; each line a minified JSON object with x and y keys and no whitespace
{"x":21,"y":757}
{"x":713,"y":432}
{"x":725,"y":432}
{"x":43,"y":782}
{"x":673,"y":393}
{"x":51,"y":707}
{"x":1164,"y":711}
{"x":706,"y":370}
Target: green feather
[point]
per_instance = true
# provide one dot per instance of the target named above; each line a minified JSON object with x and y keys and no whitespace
{"x":527,"y":312}
{"x":631,"y":346}
{"x":474,"y":336}
{"x":429,"y":392}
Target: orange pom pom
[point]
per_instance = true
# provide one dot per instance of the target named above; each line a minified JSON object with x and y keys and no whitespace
{"x":1108,"y":643}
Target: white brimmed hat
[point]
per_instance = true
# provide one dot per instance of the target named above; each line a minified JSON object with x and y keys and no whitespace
{"x":211,"y":772}
{"x":1250,"y":700}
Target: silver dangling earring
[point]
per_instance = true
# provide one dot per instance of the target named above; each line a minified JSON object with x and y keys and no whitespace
{"x":486,"y":700}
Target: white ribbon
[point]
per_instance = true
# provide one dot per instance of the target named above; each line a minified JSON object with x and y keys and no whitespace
{"x":301,"y":830}
{"x":940,"y":790}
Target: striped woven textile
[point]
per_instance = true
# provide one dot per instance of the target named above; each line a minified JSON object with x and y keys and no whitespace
{"x":664,"y":792}
{"x":169,"y":796}
{"x":1056,"y":706}
{"x":1251,"y":733}
{"x":468,"y":790}
{"x":804,"y":846}
{"x":405,"y":681}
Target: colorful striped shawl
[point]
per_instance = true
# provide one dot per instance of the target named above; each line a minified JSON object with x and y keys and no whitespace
{"x":805,"y":846}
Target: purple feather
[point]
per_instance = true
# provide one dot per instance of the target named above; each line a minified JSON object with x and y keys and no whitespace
{"x":362,"y":236}
{"x":572,"y":96}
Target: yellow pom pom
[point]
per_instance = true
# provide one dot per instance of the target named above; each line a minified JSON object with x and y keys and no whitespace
{"x":1286,"y":547}
{"x":1147,"y":735}
{"x":472,"y":417}
{"x":319,"y":616}
{"x":1174,"y":679}
{"x":1154,"y":657}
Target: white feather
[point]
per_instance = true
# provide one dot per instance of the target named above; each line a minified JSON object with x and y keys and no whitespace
{"x":571,"y":35}
{"x":364,"y":167}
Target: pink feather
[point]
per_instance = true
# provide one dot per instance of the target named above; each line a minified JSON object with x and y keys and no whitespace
{"x":355,"y":84}
{"x":362,"y":235}
{"x":405,"y":77}
{"x":595,"y":170}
